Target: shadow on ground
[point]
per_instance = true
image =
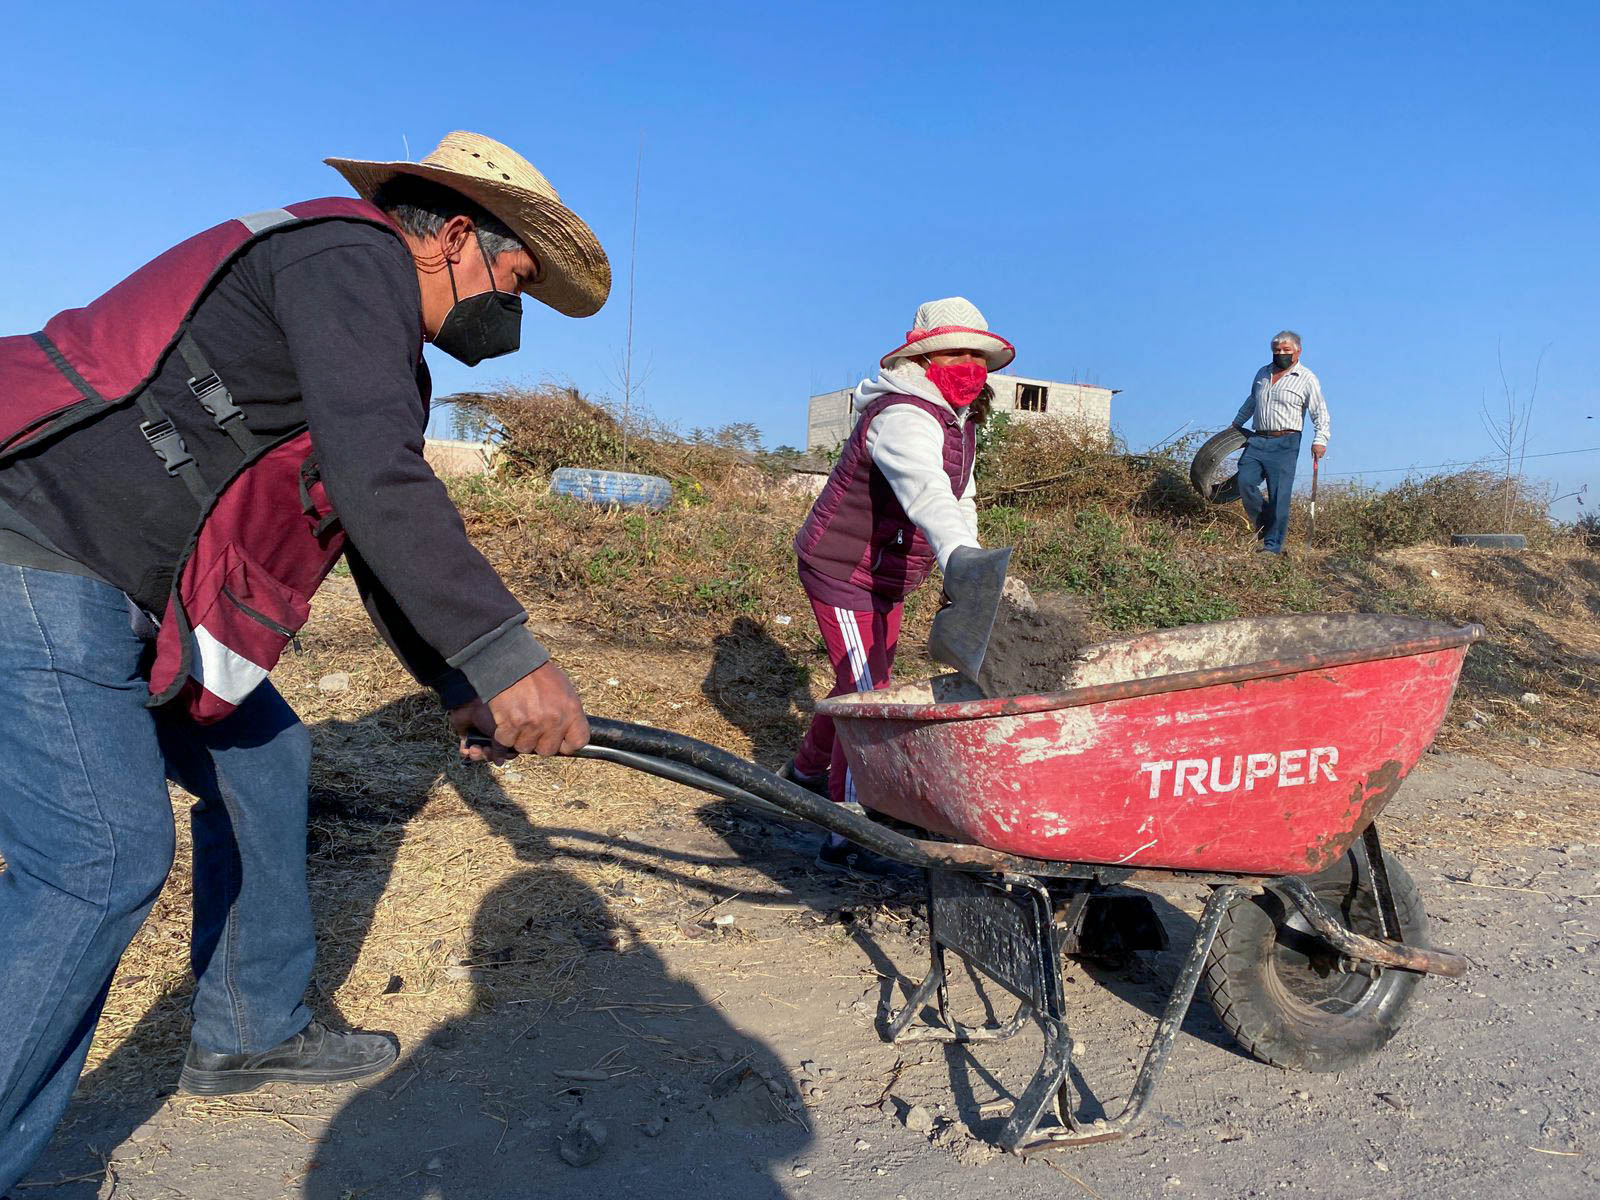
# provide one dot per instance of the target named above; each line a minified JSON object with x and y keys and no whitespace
{"x":886,"y":920}
{"x":482,"y":1106}
{"x":757,"y":686}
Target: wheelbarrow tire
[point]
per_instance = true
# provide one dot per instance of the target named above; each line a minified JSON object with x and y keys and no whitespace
{"x":1275,"y":985}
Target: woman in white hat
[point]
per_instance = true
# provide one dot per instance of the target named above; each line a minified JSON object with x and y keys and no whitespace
{"x":900,"y":500}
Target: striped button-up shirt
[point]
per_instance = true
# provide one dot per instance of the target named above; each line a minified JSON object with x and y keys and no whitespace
{"x":1283,"y":405}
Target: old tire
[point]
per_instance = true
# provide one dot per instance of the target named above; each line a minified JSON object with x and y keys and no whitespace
{"x":1277,"y":987}
{"x":622,"y":489}
{"x":1213,"y":473}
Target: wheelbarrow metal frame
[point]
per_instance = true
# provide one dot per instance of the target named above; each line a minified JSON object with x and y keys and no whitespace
{"x":1031,"y":968}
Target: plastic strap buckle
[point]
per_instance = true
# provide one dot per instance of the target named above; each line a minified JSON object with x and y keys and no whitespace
{"x":167,"y":443}
{"x":215,"y":398}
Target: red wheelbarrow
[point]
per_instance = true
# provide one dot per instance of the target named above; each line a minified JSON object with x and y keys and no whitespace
{"x":1261,"y":779}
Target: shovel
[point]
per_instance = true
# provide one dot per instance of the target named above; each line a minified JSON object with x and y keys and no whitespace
{"x":1311,"y":535}
{"x":973,"y":582}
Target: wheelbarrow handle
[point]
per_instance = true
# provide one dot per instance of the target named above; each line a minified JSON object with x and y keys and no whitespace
{"x":698,"y":764}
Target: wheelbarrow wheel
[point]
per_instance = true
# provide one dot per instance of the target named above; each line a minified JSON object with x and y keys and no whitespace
{"x":1280,"y":989}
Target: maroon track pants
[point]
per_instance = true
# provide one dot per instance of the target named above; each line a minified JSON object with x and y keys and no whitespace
{"x":861,"y":648}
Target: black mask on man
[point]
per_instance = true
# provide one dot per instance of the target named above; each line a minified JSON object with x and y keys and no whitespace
{"x":1283,"y":361}
{"x":483,"y":326}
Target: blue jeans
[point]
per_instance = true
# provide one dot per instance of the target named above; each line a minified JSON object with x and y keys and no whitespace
{"x":1270,"y":460}
{"x":86,"y":832}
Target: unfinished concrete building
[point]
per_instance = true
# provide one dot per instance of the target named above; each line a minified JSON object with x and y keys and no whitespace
{"x":830,"y":417}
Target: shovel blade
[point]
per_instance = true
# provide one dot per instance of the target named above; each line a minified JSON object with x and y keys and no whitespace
{"x":973,"y":583}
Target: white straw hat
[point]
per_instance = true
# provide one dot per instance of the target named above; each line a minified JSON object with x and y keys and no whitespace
{"x":953,"y":323}
{"x":574,"y":273}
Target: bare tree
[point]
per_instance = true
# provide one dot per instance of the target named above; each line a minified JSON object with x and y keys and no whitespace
{"x":1508,"y":427}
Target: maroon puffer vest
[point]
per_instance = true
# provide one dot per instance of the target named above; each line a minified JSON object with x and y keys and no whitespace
{"x":265,"y":540}
{"x":857,"y":531}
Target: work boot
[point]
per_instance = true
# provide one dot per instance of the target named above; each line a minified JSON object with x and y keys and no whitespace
{"x":314,"y":1055}
{"x":818,"y":784}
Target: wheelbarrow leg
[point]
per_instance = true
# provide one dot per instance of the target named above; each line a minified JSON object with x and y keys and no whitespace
{"x":1018,"y":1131}
{"x":1048,"y":1087}
{"x":1371,"y":851}
{"x":932,"y":982}
{"x":948,"y":1030}
{"x":935,"y":986}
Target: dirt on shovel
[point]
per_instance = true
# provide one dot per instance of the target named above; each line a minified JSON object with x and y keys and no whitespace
{"x":1035,"y":641}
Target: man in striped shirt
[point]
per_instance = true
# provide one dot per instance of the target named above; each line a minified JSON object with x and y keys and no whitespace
{"x":1283,"y":393}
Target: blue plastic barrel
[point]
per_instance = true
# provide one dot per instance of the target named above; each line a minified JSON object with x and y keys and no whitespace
{"x":621,"y":488}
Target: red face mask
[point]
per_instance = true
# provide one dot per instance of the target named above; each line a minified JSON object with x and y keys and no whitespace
{"x":959,"y":383}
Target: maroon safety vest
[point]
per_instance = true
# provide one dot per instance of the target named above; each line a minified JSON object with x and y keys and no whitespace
{"x":858,"y":531}
{"x":267,"y":537}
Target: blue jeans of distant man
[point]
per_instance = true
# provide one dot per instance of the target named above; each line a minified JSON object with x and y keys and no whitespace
{"x":86,"y":832}
{"x":1269,"y":460}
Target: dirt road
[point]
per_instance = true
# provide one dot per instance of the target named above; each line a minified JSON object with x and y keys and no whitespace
{"x":740,"y":1059}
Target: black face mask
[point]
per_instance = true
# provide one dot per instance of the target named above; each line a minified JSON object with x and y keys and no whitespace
{"x":483,"y":326}
{"x":1283,"y":361}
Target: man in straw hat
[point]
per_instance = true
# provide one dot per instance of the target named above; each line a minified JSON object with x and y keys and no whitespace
{"x":181,"y":461}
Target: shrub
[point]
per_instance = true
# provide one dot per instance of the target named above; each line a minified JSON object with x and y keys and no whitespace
{"x":1052,"y":465}
{"x":1358,"y":518}
{"x":1081,"y":514}
{"x":1587,"y":530}
{"x":1138,"y":572}
{"x":542,"y":428}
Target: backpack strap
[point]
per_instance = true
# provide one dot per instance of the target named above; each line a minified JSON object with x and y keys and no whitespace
{"x":205,"y":383}
{"x":159,"y":432}
{"x":163,"y":438}
{"x":214,"y":396}
{"x":59,"y":361}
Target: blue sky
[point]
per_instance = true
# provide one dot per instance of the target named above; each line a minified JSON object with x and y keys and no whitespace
{"x":1138,"y":196}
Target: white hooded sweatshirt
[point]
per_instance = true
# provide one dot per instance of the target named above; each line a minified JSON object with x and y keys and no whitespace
{"x":907,"y":445}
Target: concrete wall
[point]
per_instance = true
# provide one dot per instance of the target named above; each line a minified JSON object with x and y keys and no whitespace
{"x":449,"y":457}
{"x":829,"y":417}
{"x":807,"y":483}
{"x":828,"y":420}
{"x":1082,"y":403}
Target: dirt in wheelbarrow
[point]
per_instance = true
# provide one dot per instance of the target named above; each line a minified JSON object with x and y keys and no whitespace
{"x":1034,"y":643}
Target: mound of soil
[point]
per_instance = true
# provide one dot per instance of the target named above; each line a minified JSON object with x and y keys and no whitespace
{"x":1034,"y":642}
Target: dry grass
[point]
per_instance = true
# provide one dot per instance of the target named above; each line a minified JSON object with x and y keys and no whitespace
{"x":1048,"y":467}
{"x":541,"y":428}
{"x":1358,"y":518}
{"x":1541,"y":614}
{"x":680,"y":576}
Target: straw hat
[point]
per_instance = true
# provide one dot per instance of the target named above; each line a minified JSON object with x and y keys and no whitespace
{"x":953,"y":324}
{"x":574,"y":273}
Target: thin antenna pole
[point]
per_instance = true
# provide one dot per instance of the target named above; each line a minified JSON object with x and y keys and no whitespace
{"x":633,"y":263}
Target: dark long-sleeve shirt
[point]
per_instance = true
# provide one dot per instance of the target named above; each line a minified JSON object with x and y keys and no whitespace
{"x":317,"y":325}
